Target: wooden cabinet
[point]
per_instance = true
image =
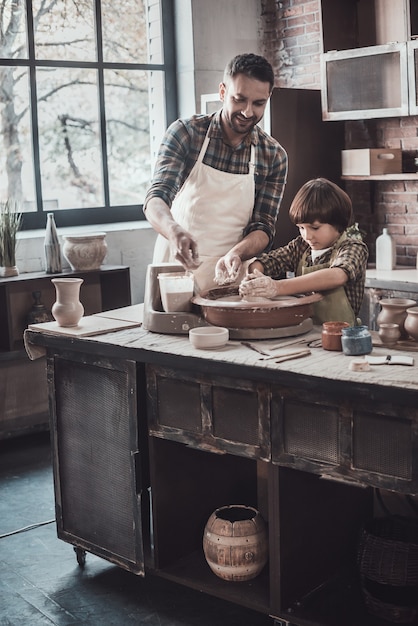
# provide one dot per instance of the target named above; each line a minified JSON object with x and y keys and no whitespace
{"x":98,"y":457}
{"x":147,"y":443}
{"x":370,"y":72}
{"x":23,"y":388}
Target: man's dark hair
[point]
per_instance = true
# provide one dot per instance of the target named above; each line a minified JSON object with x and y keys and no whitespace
{"x":251,"y":65}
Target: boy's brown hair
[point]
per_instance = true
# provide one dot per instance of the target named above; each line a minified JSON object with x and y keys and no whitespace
{"x":320,"y":200}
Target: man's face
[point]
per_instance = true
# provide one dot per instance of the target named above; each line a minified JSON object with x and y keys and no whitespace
{"x":245,"y":100}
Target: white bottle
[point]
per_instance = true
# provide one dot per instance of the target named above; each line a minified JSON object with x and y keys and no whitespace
{"x":385,"y":252}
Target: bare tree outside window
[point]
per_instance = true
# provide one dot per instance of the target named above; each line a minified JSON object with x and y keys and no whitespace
{"x":75,"y":85}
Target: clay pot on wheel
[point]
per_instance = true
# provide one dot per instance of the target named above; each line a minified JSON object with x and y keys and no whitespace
{"x":394,"y":312}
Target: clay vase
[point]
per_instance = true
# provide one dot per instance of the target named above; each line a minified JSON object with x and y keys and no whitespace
{"x":394,"y":312}
{"x":67,"y":310}
{"x":85,"y":252}
{"x":389,"y":334}
{"x":411,"y":322}
{"x":235,"y":542}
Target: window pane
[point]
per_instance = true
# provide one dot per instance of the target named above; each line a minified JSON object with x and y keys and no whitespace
{"x":124,"y":31}
{"x":69,"y":137}
{"x":64,"y":30}
{"x":13,"y":42}
{"x":128,"y":141}
{"x":16,"y":169}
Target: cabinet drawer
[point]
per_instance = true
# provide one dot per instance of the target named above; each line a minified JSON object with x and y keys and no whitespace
{"x":374,"y":443}
{"x":225,"y":415}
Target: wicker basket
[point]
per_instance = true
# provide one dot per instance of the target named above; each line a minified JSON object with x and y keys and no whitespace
{"x":388,"y":564}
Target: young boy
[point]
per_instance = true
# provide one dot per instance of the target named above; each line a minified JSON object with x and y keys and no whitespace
{"x":327,"y":257}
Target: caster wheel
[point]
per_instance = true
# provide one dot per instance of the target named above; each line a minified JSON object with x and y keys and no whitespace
{"x":81,"y":556}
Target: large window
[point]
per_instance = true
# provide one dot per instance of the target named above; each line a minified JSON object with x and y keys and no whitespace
{"x":83,"y":104}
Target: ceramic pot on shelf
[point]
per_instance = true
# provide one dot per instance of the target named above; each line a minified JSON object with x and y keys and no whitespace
{"x":9,"y":270}
{"x":411,"y":322}
{"x":235,"y":542}
{"x":394,"y":312}
{"x":67,"y":310}
{"x":85,"y":252}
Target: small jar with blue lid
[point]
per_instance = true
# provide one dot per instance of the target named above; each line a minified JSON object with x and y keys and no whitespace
{"x":356,"y":340}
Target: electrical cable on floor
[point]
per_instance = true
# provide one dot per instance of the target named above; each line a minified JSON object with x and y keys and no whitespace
{"x":25,"y":528}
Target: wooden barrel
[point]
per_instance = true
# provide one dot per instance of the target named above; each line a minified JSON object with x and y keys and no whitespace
{"x":235,"y":542}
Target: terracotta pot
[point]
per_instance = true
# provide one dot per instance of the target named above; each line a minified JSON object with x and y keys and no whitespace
{"x":394,"y":312}
{"x":411,"y":322}
{"x":67,"y":310}
{"x":85,"y":252}
{"x":235,"y":542}
{"x":331,"y":335}
{"x":223,"y":306}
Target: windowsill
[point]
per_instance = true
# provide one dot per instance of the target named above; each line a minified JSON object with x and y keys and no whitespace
{"x":90,"y":228}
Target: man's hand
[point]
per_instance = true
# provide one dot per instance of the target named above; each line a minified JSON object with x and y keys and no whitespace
{"x":256,"y":284}
{"x":227,"y":269}
{"x":184,"y":248}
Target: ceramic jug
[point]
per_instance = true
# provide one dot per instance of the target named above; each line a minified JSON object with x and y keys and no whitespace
{"x":67,"y":310}
{"x":394,"y":312}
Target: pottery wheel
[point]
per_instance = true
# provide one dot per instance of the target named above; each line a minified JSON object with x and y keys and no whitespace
{"x":260,"y":317}
{"x":272,"y":333}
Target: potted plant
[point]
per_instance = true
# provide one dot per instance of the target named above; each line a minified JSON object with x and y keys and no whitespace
{"x":10,"y":220}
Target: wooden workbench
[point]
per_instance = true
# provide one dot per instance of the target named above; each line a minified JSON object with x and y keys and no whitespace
{"x":151,"y":435}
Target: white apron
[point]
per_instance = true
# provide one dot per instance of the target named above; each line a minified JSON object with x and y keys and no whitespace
{"x":214,"y":207}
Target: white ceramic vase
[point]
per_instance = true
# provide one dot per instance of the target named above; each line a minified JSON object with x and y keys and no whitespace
{"x":67,"y":310}
{"x":85,"y":252}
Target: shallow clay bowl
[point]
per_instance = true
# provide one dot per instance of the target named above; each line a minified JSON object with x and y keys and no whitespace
{"x":224,"y":306}
{"x":207,"y":337}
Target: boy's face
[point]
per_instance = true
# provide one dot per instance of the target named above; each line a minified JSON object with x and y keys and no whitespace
{"x":319,"y":236}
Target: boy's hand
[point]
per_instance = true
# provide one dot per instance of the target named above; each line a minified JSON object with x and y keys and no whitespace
{"x":256,"y":284}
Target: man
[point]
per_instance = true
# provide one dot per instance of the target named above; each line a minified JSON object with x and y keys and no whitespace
{"x":219,"y":180}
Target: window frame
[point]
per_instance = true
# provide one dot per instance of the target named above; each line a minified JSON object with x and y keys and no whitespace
{"x":107,"y":213}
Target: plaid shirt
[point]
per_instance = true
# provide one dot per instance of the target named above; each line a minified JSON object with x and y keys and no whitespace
{"x":352,"y":255}
{"x":180,"y":149}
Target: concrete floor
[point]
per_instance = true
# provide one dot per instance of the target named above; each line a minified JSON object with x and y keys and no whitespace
{"x":41,"y":583}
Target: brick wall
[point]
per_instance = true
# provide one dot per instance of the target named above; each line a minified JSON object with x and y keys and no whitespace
{"x":291,"y":36}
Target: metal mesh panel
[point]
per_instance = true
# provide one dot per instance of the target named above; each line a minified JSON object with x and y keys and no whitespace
{"x":311,"y":432}
{"x":382,"y":444}
{"x":94,"y":460}
{"x":235,"y":415}
{"x":374,"y":78}
{"x":179,"y":404}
